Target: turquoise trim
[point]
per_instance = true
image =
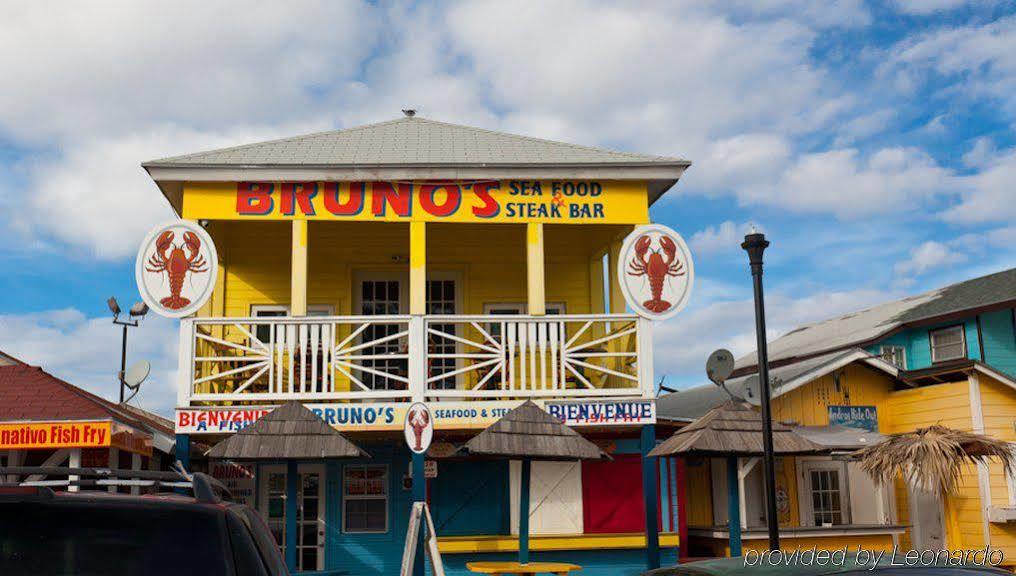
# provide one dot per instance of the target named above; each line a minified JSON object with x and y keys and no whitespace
{"x":733,"y":507}
{"x":650,"y":491}
{"x":524,"y":512}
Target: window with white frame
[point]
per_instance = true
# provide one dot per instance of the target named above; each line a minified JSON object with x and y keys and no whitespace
{"x":895,"y":355}
{"x":824,"y":501}
{"x":264,"y":331}
{"x":365,"y":499}
{"x":948,"y":344}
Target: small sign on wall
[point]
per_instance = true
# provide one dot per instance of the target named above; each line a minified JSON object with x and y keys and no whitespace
{"x":863,"y":417}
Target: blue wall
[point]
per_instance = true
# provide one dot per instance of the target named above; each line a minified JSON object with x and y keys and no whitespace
{"x":470,"y":498}
{"x":999,"y":341}
{"x":369,"y":554}
{"x":917,"y":344}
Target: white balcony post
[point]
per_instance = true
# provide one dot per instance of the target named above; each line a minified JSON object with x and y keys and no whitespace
{"x":184,"y":386}
{"x":417,"y":357}
{"x":645,"y":357}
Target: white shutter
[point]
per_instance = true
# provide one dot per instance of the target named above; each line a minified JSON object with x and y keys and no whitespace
{"x":555,"y":497}
{"x":864,"y":505}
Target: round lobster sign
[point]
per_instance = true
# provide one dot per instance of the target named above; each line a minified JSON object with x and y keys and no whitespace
{"x":419,"y":428}
{"x":176,"y":268}
{"x":655,"y":271}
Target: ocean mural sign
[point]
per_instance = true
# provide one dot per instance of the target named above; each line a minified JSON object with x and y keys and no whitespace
{"x":548,"y":201}
{"x":862,"y":417}
{"x":442,"y":415}
{"x":655,"y":272}
{"x":175,"y":268}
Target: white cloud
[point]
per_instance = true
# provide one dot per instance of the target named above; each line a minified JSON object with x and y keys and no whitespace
{"x":86,"y":352}
{"x":929,"y":256}
{"x":927,"y":7}
{"x":725,"y":236}
{"x":846,"y":183}
{"x":73,"y":70}
{"x":988,"y":195}
{"x":684,"y":342}
{"x":978,"y":56}
{"x":98,"y":198}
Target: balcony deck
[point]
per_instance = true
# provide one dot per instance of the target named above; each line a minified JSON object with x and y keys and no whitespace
{"x":258,"y":361}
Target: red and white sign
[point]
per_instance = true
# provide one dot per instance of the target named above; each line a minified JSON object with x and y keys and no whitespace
{"x":655,"y":272}
{"x":176,"y":268}
{"x":419,"y":428}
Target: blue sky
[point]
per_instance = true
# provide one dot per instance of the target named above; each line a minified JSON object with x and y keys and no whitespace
{"x":872,"y":142}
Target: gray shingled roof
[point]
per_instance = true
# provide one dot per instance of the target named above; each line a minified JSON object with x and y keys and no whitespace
{"x":865,"y":326}
{"x":695,"y":402}
{"x":410,"y":141}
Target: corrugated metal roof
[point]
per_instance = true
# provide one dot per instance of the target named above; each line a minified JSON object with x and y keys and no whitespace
{"x":859,"y":328}
{"x":410,"y":141}
{"x":695,"y":402}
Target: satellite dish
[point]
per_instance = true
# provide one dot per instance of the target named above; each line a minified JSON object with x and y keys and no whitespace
{"x":719,"y":366}
{"x":137,"y":374}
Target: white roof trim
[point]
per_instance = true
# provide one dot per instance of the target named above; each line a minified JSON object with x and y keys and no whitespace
{"x":1001,"y":377}
{"x":820,"y":371}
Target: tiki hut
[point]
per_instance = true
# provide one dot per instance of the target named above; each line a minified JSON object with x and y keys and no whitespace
{"x":290,"y":432}
{"x":734,"y":429}
{"x":931,"y":459}
{"x":529,"y":433}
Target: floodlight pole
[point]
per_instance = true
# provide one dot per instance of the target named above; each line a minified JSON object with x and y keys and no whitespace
{"x":123,"y":350}
{"x":755,"y":244}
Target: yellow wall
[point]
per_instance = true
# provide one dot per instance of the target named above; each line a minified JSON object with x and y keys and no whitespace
{"x":945,"y":404}
{"x":998,"y":403}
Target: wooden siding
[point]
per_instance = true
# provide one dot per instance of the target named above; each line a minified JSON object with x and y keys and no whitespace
{"x":998,"y":403}
{"x":997,"y":330}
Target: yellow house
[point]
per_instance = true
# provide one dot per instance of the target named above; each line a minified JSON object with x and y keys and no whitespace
{"x":944,"y":357}
{"x":364,"y":269}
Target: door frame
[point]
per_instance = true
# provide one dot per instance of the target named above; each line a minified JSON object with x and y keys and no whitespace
{"x":303,"y":468}
{"x":805,"y":508}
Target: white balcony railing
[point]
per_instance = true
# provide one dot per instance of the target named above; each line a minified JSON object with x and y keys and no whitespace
{"x":402,"y":358}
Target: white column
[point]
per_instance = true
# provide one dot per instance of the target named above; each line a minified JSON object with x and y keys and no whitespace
{"x":644,"y":342}
{"x":135,"y":465}
{"x":186,"y":363}
{"x":114,"y":464}
{"x":417,"y":358}
{"x":74,"y":461}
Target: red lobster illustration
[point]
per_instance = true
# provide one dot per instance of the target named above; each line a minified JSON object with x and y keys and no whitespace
{"x":418,"y":420}
{"x":656,"y":267}
{"x":171,"y":259}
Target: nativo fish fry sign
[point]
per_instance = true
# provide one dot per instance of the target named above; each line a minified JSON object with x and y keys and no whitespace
{"x":549,"y":201}
{"x":175,"y":269}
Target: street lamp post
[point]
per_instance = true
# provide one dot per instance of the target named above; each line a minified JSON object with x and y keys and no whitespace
{"x":755,"y":244}
{"x":137,"y":312}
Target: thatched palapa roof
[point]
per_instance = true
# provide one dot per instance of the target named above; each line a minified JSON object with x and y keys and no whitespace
{"x":931,"y":459}
{"x":290,"y":432}
{"x":530,"y":432}
{"x":734,"y":429}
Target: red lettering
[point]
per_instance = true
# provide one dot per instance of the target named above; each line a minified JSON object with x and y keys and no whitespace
{"x":254,"y":198}
{"x":428,"y":195}
{"x":298,"y":193}
{"x":352,"y":206}
{"x":490,"y":207}
{"x":399,"y":196}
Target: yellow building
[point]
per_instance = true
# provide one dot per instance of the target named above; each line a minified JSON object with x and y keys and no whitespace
{"x":416,"y":261}
{"x":945,"y":357}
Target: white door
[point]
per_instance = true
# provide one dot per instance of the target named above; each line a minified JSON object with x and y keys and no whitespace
{"x":382,"y":293}
{"x":555,"y":497}
{"x":310,"y":510}
{"x":926,"y":516}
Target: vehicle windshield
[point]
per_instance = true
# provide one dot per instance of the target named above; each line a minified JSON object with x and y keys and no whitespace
{"x":86,"y":538}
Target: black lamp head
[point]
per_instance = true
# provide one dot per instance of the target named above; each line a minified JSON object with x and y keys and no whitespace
{"x":755,"y":244}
